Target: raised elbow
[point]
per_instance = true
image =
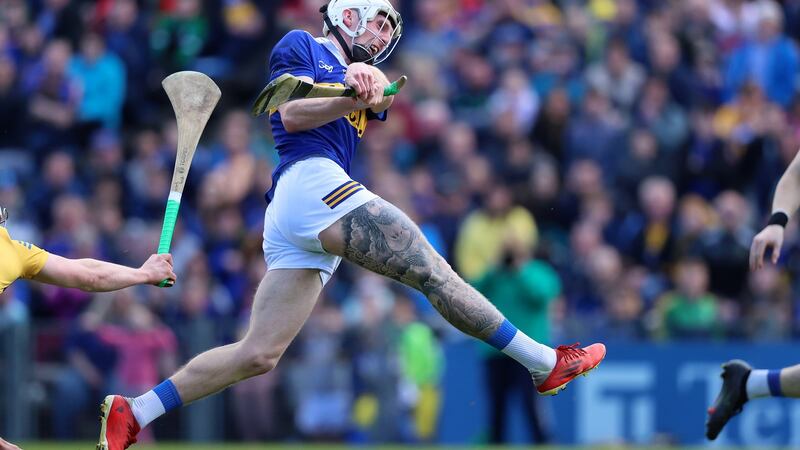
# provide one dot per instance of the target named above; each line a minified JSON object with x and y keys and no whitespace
{"x":290,"y":124}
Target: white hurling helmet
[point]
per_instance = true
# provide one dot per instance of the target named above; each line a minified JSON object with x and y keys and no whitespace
{"x":367,"y":10}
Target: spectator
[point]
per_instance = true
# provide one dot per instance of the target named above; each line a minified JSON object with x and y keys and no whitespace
{"x":649,"y":237}
{"x":618,"y":77}
{"x":767,"y":306}
{"x":53,"y":100}
{"x":228,"y":182}
{"x":421,"y":368}
{"x":551,"y":125}
{"x":101,"y":76}
{"x":514,"y":106}
{"x":146,"y":348}
{"x":695,"y":219}
{"x":481,"y":240}
{"x":59,"y":178}
{"x":624,"y":321}
{"x":125,"y":31}
{"x":643,"y":158}
{"x":11,"y":103}
{"x":89,"y":372}
{"x":60,"y":19}
{"x":727,"y":246}
{"x":689,"y":311}
{"x":523,"y":289}
{"x":322,"y":381}
{"x":665,"y":119}
{"x":178,"y":37}
{"x":595,"y":133}
{"x":667,"y":64}
{"x":768,"y":59}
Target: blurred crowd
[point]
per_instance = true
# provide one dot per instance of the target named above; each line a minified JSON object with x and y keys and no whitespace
{"x":608,"y":161}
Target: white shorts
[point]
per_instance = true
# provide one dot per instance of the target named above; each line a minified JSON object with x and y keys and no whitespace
{"x":310,"y":196}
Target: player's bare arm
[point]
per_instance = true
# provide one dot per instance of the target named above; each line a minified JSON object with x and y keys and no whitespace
{"x":381,"y":238}
{"x":5,"y":445}
{"x":100,"y":276}
{"x":785,"y":203}
{"x":307,"y":114}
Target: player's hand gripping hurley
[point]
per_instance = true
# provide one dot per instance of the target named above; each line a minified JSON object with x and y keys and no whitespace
{"x":288,"y":87}
{"x":193,"y":96}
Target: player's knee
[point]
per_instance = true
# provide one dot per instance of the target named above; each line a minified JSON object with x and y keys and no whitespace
{"x":438,"y":275}
{"x":434,"y":279}
{"x":443,"y":268}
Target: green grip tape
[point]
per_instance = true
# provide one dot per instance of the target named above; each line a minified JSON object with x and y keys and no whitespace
{"x":391,"y":89}
{"x":394,"y":87}
{"x":170,"y":217}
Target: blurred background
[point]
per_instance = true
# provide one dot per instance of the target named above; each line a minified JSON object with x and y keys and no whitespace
{"x":597,"y":168}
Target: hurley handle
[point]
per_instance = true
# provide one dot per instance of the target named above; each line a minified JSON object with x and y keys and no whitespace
{"x":170,"y":217}
{"x":392,"y":89}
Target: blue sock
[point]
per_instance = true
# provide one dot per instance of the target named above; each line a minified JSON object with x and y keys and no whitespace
{"x":537,"y":358}
{"x":763,"y":383}
{"x":774,"y":382}
{"x":503,"y":336}
{"x":154,"y":403}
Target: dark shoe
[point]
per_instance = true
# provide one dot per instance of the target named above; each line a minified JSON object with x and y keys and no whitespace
{"x":731,"y":398}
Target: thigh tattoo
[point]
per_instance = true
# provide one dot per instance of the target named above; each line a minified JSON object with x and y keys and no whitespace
{"x":382,"y":239}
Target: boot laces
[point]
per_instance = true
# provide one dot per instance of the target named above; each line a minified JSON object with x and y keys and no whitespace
{"x":572,"y":351}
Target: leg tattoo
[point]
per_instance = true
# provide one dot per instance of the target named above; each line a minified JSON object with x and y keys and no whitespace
{"x":381,"y":238}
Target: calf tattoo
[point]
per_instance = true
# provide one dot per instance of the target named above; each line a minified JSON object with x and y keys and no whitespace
{"x":381,"y":238}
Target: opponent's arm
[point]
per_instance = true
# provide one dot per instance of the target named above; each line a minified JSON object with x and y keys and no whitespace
{"x":100,"y":276}
{"x":784,"y":204}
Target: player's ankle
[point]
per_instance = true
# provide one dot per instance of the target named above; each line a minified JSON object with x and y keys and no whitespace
{"x":763,"y":383}
{"x":516,"y":344}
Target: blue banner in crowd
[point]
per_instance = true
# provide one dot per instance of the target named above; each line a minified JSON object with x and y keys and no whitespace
{"x":641,"y":394}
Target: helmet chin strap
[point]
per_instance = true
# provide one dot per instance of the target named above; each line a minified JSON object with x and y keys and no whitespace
{"x":361,"y":54}
{"x":358,"y":53}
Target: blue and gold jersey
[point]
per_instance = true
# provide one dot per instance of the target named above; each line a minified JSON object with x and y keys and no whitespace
{"x":300,"y":54}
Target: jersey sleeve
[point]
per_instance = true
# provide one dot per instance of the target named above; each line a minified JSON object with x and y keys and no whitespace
{"x":293,"y":55}
{"x":31,"y":257}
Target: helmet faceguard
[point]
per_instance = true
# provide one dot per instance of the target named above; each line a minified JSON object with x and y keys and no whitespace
{"x":367,"y":10}
{"x":3,"y":216}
